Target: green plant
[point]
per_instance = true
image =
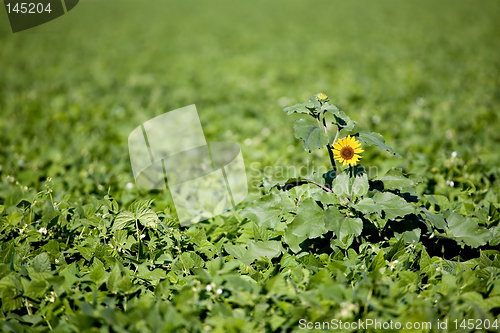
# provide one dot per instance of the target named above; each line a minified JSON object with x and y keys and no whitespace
{"x":345,"y":209}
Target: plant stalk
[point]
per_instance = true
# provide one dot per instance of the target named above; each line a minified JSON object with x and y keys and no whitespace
{"x":328,"y":146}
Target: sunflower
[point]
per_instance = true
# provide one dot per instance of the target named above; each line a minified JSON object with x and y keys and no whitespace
{"x":322,"y":98}
{"x":346,"y":151}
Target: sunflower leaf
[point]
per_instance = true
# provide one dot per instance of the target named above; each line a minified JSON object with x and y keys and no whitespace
{"x":299,"y":108}
{"x":372,"y":138}
{"x":312,"y":137}
{"x":308,"y":223}
{"x":345,"y":186}
{"x":267,"y":211}
{"x":342,"y":120}
{"x":393,"y":205}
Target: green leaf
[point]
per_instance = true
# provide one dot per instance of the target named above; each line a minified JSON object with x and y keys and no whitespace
{"x":342,"y":185}
{"x":360,"y":186}
{"x":367,"y":206}
{"x":123,"y":220}
{"x":495,"y":239}
{"x":237,"y":251}
{"x":267,"y":249}
{"x":111,"y":204}
{"x":308,"y":223}
{"x":334,"y":219}
{"x":393,"y":205}
{"x":439,"y":200}
{"x":372,"y":138}
{"x":343,"y":242}
{"x":436,"y":219}
{"x":52,"y":247}
{"x":395,"y":179}
{"x":396,"y":250}
{"x":351,"y":226}
{"x":41,"y":263}
{"x":341,"y":224}
{"x":410,"y":236}
{"x":97,"y":275}
{"x":342,"y":120}
{"x":300,"y":108}
{"x":10,"y":300}
{"x":85,"y":252}
{"x":14,"y":218}
{"x":377,"y":262}
{"x":267,"y":210}
{"x":467,"y":230}
{"x":350,"y":187}
{"x":316,"y":104}
{"x":147,"y":218}
{"x":312,"y":137}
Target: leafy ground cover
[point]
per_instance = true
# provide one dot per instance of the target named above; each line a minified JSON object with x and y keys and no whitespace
{"x":83,"y":249}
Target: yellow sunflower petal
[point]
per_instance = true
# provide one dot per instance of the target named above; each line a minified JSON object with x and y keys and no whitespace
{"x":358,"y":150}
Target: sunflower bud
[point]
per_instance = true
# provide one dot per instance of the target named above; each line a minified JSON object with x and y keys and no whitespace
{"x":322,"y":98}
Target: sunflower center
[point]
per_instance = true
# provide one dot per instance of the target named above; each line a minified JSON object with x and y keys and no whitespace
{"x":347,"y":153}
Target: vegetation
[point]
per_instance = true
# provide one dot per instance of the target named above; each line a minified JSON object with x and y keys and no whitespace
{"x":409,"y":233}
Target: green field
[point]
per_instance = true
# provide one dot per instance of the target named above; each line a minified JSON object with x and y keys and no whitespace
{"x":425,"y":75}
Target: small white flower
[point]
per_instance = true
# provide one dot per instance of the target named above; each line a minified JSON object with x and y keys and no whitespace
{"x":219,"y":291}
{"x":120,"y":249}
{"x":344,"y":313}
{"x":142,"y":236}
{"x":208,"y":288}
{"x":396,"y":261}
{"x":42,"y":231}
{"x":100,"y":187}
{"x":52,"y":297}
{"x":454,"y":154}
{"x":57,"y":261}
{"x":130,"y":185}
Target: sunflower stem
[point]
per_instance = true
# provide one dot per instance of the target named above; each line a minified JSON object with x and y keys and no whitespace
{"x":335,"y":140}
{"x":328,"y":146}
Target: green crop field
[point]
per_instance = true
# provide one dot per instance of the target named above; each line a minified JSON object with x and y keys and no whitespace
{"x":412,"y":241}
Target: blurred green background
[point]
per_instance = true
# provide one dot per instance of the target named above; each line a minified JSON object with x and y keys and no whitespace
{"x":423,"y":74}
